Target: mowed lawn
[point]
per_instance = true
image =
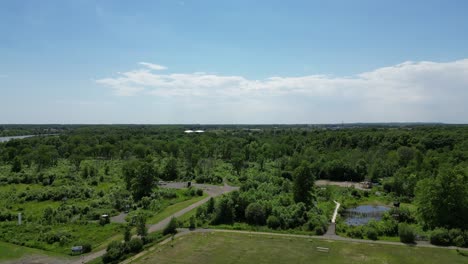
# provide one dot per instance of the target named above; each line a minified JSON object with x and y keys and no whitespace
{"x":244,"y":248}
{"x":10,"y":252}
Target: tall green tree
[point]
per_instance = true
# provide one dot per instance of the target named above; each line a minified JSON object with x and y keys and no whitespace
{"x":16,"y":166}
{"x":443,"y":201}
{"x":140,"y":178}
{"x":224,"y":211}
{"x":170,"y":170}
{"x":141,"y":229}
{"x":303,"y":184}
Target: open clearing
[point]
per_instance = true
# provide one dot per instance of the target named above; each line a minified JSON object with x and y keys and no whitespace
{"x":243,"y":248}
{"x":10,"y":253}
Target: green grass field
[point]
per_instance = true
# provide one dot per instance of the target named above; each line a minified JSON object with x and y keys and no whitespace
{"x":11,"y":252}
{"x":243,"y":248}
{"x":174,"y":208}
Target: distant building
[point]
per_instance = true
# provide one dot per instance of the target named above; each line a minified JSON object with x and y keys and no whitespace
{"x":199,"y":131}
{"x":188,"y":131}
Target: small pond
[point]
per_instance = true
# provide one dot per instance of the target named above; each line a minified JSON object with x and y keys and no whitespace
{"x":362,"y":214}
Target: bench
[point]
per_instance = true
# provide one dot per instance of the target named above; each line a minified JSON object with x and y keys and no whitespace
{"x":323,"y":249}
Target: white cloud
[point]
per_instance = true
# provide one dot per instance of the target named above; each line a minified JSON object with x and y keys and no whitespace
{"x":153,"y":66}
{"x":410,"y":91}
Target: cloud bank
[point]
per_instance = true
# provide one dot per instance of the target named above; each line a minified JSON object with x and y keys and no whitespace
{"x":410,"y":91}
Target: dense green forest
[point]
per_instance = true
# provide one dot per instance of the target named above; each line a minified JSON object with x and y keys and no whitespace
{"x":63,"y":182}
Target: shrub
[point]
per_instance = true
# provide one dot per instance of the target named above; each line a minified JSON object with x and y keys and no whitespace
{"x":115,"y":250}
{"x":86,"y":247}
{"x":135,"y":245}
{"x":192,"y":222}
{"x":440,"y":236}
{"x":406,"y":233}
{"x":255,"y":214}
{"x":319,"y":230}
{"x":459,"y":241}
{"x":454,"y":234}
{"x":199,"y":192}
{"x":171,"y":228}
{"x":355,"y":232}
{"x":127,"y":233}
{"x":273,"y":222}
{"x":371,"y":233}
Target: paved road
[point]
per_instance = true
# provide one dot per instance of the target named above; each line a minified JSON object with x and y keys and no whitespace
{"x":211,"y":190}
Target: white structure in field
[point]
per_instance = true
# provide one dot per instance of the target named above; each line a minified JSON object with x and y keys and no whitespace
{"x":19,"y":218}
{"x":192,"y":131}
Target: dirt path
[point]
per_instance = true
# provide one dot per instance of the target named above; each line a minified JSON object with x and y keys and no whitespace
{"x":211,"y":190}
{"x":356,"y":185}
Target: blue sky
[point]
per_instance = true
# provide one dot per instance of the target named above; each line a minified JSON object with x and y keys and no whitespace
{"x":233,"y":61}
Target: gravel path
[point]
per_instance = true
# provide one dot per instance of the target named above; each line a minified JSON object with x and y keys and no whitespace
{"x":356,"y":185}
{"x":211,"y":190}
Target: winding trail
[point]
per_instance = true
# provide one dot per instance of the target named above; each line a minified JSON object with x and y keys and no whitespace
{"x":211,"y":190}
{"x":335,"y":213}
{"x":331,"y":231}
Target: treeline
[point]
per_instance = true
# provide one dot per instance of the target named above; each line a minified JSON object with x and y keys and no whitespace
{"x":424,"y":164}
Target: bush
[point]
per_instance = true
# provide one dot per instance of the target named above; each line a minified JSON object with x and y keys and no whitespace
{"x":135,"y":245}
{"x":371,"y":233}
{"x":440,"y":237}
{"x":192,"y":222}
{"x":86,"y":247}
{"x":459,"y":241}
{"x":456,"y":234}
{"x":115,"y":250}
{"x":319,"y":230}
{"x":255,"y":214}
{"x":355,"y":232}
{"x":406,"y":233}
{"x":171,"y":228}
{"x":199,"y":192}
{"x":273,"y":222}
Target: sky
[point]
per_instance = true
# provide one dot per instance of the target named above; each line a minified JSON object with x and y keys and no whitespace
{"x":241,"y":62}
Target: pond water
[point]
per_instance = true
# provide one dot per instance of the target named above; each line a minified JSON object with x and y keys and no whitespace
{"x":362,"y":214}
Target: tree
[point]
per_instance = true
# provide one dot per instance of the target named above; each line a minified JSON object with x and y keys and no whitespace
{"x":443,"y":201}
{"x":405,"y":155}
{"x":48,"y":215}
{"x":255,"y":214}
{"x":237,"y":162}
{"x":192,"y":222}
{"x":210,"y":206}
{"x":171,"y":227}
{"x":16,"y":166}
{"x":140,"y":223}
{"x":127,"y":233}
{"x":135,"y":245}
{"x":224,"y":211}
{"x":170,"y":170}
{"x":303,"y":184}
{"x":140,"y":178}
{"x":273,"y":222}
{"x":406,"y":233}
{"x":361,"y":169}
